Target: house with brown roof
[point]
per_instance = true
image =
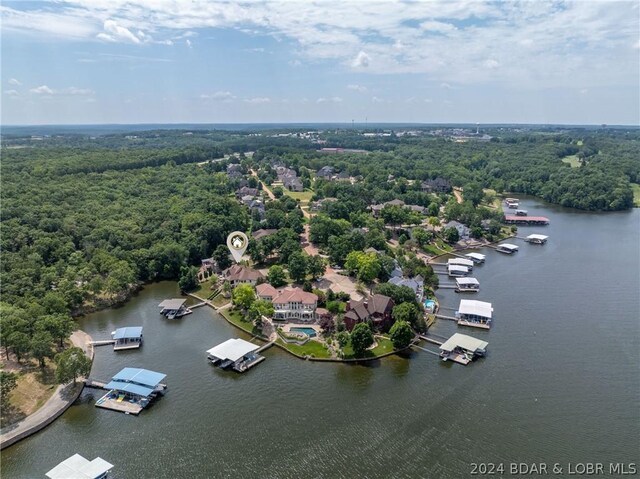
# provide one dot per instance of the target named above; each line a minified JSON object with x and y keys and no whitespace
{"x":239,"y":274}
{"x":294,"y":303}
{"x":266,"y":292}
{"x":376,"y":308}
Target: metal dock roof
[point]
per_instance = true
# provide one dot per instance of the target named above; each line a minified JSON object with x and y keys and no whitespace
{"x":465,"y":342}
{"x":172,"y":304}
{"x":132,"y":388}
{"x":128,"y":332}
{"x":460,"y":262}
{"x":537,"y":237}
{"x":77,"y":467}
{"x":475,"y":307}
{"x":233,"y":349}
{"x":460,"y":281}
{"x":140,"y":376}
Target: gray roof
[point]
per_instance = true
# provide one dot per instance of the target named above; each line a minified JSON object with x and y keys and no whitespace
{"x":232,"y":349}
{"x":77,"y":467}
{"x":465,"y":342}
{"x":172,"y":304}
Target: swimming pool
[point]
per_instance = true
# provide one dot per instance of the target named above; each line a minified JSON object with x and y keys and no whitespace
{"x":308,"y":331}
{"x":429,"y":304}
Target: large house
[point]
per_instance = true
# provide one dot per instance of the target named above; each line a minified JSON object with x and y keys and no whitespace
{"x":416,"y":284}
{"x":295,"y":304}
{"x":463,"y":231}
{"x":438,"y":185}
{"x":239,"y":274}
{"x":246,"y":191}
{"x":376,"y":308}
{"x":266,"y":292}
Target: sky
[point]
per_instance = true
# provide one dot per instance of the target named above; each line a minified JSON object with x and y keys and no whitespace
{"x":196,"y":61}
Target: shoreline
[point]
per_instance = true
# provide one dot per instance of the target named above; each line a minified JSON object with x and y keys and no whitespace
{"x":62,"y":398}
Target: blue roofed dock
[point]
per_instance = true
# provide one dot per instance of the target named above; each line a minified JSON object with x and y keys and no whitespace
{"x":131,"y":390}
{"x":127,"y":338}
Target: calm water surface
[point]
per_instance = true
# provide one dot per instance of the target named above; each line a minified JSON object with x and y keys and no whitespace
{"x":560,"y":383}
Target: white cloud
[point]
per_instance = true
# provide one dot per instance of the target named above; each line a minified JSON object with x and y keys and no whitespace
{"x":375,"y":99}
{"x":188,"y":43}
{"x":359,"y":88}
{"x":14,"y":82}
{"x":78,"y":91}
{"x":12,"y":92}
{"x":445,"y":85}
{"x":428,"y":100}
{"x":439,"y":27}
{"x":334,"y":99}
{"x":117,"y":33}
{"x":223,"y":96}
{"x":491,"y":63}
{"x":584,"y":91}
{"x":258,"y":100}
{"x":42,"y":90}
{"x":361,"y":60}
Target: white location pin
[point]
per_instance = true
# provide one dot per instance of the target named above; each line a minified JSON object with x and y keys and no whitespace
{"x":237,"y":243}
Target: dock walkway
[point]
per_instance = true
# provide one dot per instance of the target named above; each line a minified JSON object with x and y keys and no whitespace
{"x":103,"y":342}
{"x":450,"y":318}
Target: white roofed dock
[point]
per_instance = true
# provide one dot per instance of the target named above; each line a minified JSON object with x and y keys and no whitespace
{"x":467,"y":284}
{"x":476,"y":257}
{"x":457,"y":270}
{"x":462,"y":348}
{"x":235,"y":353}
{"x":536,"y":239}
{"x":77,"y":467}
{"x":461,"y":262}
{"x":507,"y":248}
{"x":477,"y":314}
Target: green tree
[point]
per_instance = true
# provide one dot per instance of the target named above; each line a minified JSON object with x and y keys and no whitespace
{"x":188,"y":278}
{"x":401,"y":334}
{"x":343,"y":338}
{"x":222,"y":257}
{"x":243,"y":296}
{"x":258,"y":309}
{"x":8,"y":382}
{"x":278,"y":191}
{"x":361,"y":338}
{"x":71,"y":364}
{"x":276,"y":276}
{"x":451,"y":235}
{"x":60,"y":326}
{"x":42,"y":347}
{"x":406,"y":312}
{"x":20,"y":344}
{"x":297,"y":267}
{"x":315,"y":267}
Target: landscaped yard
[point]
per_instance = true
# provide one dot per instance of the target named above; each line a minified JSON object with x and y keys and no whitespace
{"x":237,"y":318}
{"x":204,"y":289}
{"x":384,"y":346}
{"x":310,"y":348}
{"x":219,"y":301}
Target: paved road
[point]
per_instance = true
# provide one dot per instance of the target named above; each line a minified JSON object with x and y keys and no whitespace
{"x":59,"y":401}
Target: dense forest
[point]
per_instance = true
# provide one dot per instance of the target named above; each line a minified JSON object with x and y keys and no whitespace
{"x":87,"y":219}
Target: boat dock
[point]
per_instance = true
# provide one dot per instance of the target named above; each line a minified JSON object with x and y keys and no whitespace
{"x":450,"y":318}
{"x":525,"y":220}
{"x":93,"y":383}
{"x":119,"y":404}
{"x":237,"y":354}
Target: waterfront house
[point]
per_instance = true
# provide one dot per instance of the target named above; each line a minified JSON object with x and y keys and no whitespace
{"x":237,"y":354}
{"x":266,"y":292}
{"x":470,"y":285}
{"x":127,"y":338}
{"x":296,"y":304}
{"x":507,"y":248}
{"x":462,"y":348}
{"x":239,"y":274}
{"x":477,"y":314}
{"x":77,"y":467}
{"x":536,"y":239}
{"x":476,"y":257}
{"x":174,"y":308}
{"x":376,"y":308}
{"x":132,"y":389}
{"x":416,"y":284}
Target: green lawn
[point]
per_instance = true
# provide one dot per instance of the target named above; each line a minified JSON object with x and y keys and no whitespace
{"x":236,"y":318}
{"x":203,"y":289}
{"x":571,"y":160}
{"x":310,"y":348}
{"x":384,"y":346}
{"x":220,"y":301}
{"x":303,"y":196}
{"x":636,"y":194}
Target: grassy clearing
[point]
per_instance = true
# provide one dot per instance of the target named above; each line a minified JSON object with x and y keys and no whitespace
{"x":384,"y":346}
{"x":33,"y":389}
{"x":571,"y":160}
{"x":636,"y":195}
{"x":204,"y":289}
{"x":310,"y":348}
{"x":219,"y":301}
{"x":303,"y":196}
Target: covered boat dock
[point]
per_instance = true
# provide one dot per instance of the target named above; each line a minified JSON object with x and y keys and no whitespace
{"x":77,"y":467}
{"x":462,"y":349}
{"x":456,"y":270}
{"x":477,"y":314}
{"x":525,"y":220}
{"x":174,"y":308}
{"x":467,"y":285}
{"x":461,"y":262}
{"x":131,"y":390}
{"x":236,"y":354}
{"x":476,"y":257}
{"x":127,"y":338}
{"x":536,"y":239}
{"x":507,"y":248}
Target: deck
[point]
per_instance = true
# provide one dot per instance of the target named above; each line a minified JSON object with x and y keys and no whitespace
{"x":120,"y":406}
{"x":126,"y":346}
{"x":457,"y":358}
{"x":471,"y":324}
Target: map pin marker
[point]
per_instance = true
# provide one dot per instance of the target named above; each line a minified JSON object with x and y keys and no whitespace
{"x":237,"y":243}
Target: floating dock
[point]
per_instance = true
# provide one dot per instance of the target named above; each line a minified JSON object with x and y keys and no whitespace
{"x":131,"y":390}
{"x":476,"y":257}
{"x":507,"y":248}
{"x":525,"y":220}
{"x":462,"y":349}
{"x":78,"y":467}
{"x":467,"y":285}
{"x":174,"y":308}
{"x":536,"y":239}
{"x":476,"y":314}
{"x":127,"y":338}
{"x":236,"y":354}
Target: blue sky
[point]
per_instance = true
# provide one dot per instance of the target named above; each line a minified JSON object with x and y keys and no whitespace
{"x":166,"y":61}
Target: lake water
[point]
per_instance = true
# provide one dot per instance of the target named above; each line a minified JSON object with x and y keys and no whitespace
{"x":560,"y":384}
